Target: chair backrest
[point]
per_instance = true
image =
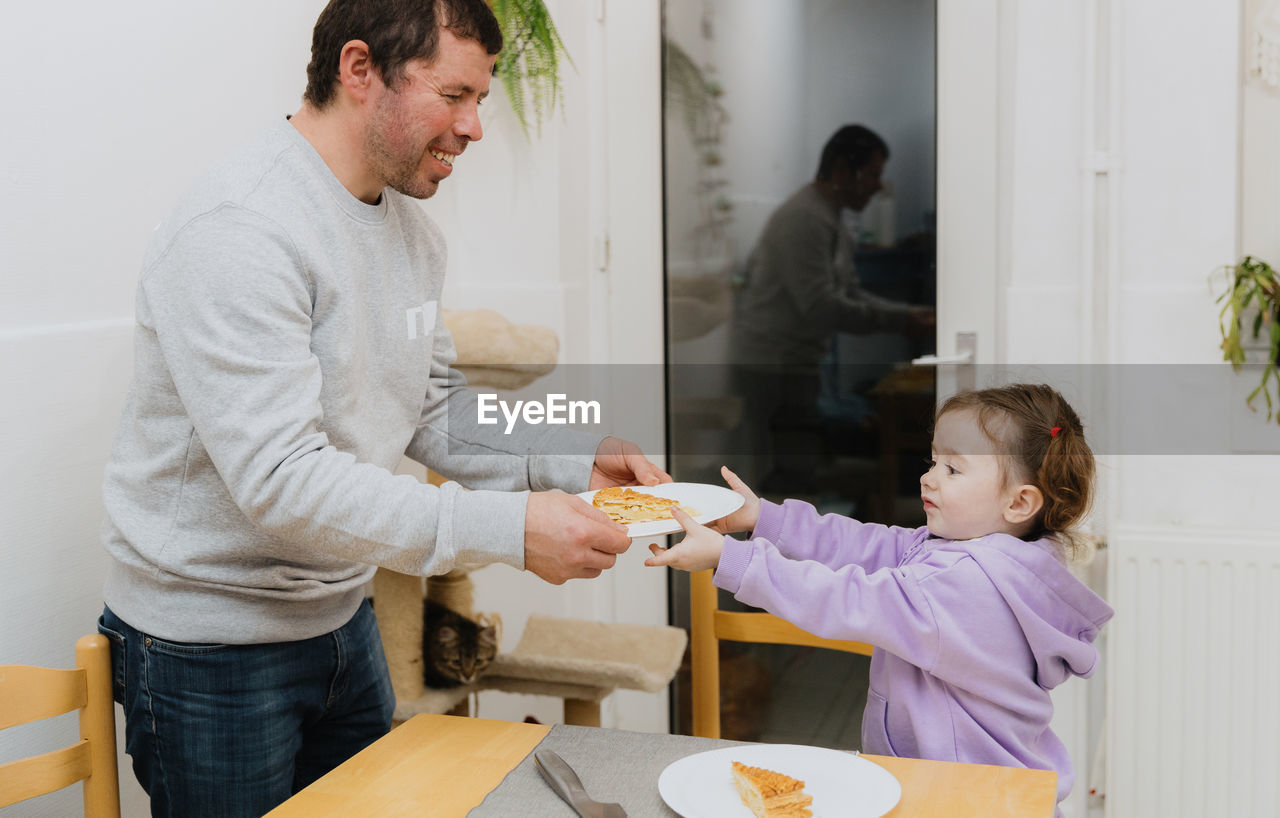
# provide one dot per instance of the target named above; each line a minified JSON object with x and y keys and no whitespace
{"x":709,"y":625}
{"x":30,"y":694}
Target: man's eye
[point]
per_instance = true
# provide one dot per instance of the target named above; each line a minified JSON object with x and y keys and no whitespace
{"x":952,"y":470}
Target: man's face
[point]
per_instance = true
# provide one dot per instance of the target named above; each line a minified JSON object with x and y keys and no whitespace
{"x":418,"y":128}
{"x":864,"y":183}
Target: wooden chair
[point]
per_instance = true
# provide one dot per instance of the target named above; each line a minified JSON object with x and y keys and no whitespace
{"x":709,"y":625}
{"x":30,"y":694}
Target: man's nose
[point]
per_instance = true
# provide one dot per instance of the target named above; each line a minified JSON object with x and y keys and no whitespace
{"x":467,"y":125}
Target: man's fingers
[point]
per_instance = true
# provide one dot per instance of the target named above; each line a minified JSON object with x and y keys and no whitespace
{"x":646,"y":472}
{"x":591,"y":512}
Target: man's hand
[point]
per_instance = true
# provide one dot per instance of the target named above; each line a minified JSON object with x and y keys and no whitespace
{"x":699,"y":549}
{"x":621,"y":463}
{"x":566,"y":538}
{"x":745,"y":518}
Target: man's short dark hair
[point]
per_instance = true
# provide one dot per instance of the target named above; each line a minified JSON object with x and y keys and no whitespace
{"x":396,"y":32}
{"x":856,"y":145}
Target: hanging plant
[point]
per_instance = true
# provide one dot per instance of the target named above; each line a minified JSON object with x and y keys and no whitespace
{"x":1253,"y":295}
{"x":529,"y":65}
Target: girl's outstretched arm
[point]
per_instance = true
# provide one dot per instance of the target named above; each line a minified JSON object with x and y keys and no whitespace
{"x":800,"y":532}
{"x":886,"y":608}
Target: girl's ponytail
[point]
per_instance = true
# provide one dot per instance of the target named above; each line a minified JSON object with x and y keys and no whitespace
{"x":1065,"y":477}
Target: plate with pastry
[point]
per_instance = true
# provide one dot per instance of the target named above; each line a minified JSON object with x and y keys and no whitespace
{"x":778,"y":781}
{"x":646,"y":510}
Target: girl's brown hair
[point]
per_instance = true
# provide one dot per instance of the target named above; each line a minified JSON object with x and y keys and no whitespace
{"x":1043,"y":439}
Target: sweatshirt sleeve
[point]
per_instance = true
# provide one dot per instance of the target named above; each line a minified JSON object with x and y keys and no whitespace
{"x":231,"y":308}
{"x":886,"y":608}
{"x":798,"y":531}
{"x":451,"y":441}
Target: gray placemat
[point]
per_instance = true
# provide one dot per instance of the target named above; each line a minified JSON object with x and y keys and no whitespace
{"x":614,"y":765}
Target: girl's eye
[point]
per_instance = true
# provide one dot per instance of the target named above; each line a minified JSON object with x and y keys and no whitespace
{"x":930,"y":463}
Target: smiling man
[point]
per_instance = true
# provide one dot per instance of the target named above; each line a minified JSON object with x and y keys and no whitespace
{"x":287,"y":356}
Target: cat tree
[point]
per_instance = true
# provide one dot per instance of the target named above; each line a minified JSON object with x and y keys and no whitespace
{"x":576,"y":660}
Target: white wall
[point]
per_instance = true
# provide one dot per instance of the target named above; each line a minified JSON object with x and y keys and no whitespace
{"x":117,"y":108}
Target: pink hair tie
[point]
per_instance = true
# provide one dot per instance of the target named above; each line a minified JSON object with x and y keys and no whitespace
{"x":1054,"y":431}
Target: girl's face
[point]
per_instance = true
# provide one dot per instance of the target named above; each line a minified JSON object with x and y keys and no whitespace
{"x":963,"y":494}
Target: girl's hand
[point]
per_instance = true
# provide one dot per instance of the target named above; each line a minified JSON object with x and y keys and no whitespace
{"x":700,"y":548}
{"x":745,"y":518}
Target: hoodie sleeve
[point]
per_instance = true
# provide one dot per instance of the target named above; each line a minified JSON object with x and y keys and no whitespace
{"x":885,"y":607}
{"x":798,"y":531}
{"x":981,"y":621}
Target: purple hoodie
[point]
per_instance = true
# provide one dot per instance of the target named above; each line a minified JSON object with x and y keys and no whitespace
{"x":970,"y":636}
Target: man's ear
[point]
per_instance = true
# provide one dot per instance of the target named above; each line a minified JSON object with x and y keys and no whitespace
{"x":1024,"y":504}
{"x":356,"y":72}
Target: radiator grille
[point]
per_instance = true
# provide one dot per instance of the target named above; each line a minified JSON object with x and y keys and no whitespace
{"x":1194,"y":675}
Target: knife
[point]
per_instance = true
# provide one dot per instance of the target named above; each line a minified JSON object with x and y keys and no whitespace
{"x":568,"y":786}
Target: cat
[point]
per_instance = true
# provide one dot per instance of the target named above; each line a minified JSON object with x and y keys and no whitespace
{"x":455,"y":649}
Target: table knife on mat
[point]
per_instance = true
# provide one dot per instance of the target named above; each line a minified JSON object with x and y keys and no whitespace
{"x":568,"y":786}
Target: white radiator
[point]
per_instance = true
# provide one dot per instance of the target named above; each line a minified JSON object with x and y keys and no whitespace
{"x":1193,"y":674}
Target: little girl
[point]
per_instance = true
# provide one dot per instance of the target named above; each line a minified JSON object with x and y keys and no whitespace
{"x":974,"y":617}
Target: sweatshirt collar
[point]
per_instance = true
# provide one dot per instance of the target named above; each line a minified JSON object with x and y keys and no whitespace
{"x":369,"y":213}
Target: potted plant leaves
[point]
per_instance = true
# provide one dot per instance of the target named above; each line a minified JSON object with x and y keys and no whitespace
{"x":529,"y":65}
{"x":1250,"y":317}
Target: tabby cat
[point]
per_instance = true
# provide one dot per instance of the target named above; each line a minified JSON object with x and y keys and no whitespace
{"x":455,"y":649}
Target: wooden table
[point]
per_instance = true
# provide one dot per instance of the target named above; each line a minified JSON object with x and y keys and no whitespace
{"x":450,"y":763}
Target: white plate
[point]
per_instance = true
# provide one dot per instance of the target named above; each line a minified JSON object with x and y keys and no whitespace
{"x":711,"y":502}
{"x":842,"y":784}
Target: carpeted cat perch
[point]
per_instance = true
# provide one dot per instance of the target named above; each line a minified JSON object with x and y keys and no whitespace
{"x":576,"y":660}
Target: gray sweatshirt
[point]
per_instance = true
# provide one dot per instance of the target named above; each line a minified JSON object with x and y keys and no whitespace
{"x":287,"y":354}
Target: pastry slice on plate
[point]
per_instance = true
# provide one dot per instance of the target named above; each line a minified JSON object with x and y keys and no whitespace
{"x":627,"y":506}
{"x":771,"y":794}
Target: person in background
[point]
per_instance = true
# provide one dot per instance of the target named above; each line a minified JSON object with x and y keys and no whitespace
{"x":975,"y":617}
{"x":288,"y":354}
{"x":800,"y":288}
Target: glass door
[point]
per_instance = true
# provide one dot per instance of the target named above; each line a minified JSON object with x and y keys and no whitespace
{"x":799,"y":183}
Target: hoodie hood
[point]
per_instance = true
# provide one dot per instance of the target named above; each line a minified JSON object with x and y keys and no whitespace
{"x":1058,"y":613}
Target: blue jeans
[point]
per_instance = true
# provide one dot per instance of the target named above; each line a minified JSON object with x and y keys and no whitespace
{"x":234,"y":730}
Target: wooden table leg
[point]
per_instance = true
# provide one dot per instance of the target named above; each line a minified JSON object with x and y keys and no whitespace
{"x":582,"y":712}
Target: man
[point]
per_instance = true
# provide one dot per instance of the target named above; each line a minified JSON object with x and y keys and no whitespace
{"x":287,"y":355}
{"x":800,"y":289}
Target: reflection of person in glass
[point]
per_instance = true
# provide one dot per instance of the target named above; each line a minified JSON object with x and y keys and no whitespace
{"x":801,"y":288}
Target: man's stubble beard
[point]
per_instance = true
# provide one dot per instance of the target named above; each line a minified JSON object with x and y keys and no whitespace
{"x":398,"y":173}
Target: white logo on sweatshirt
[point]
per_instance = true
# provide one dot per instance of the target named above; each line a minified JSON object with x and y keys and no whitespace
{"x":421,"y":319}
